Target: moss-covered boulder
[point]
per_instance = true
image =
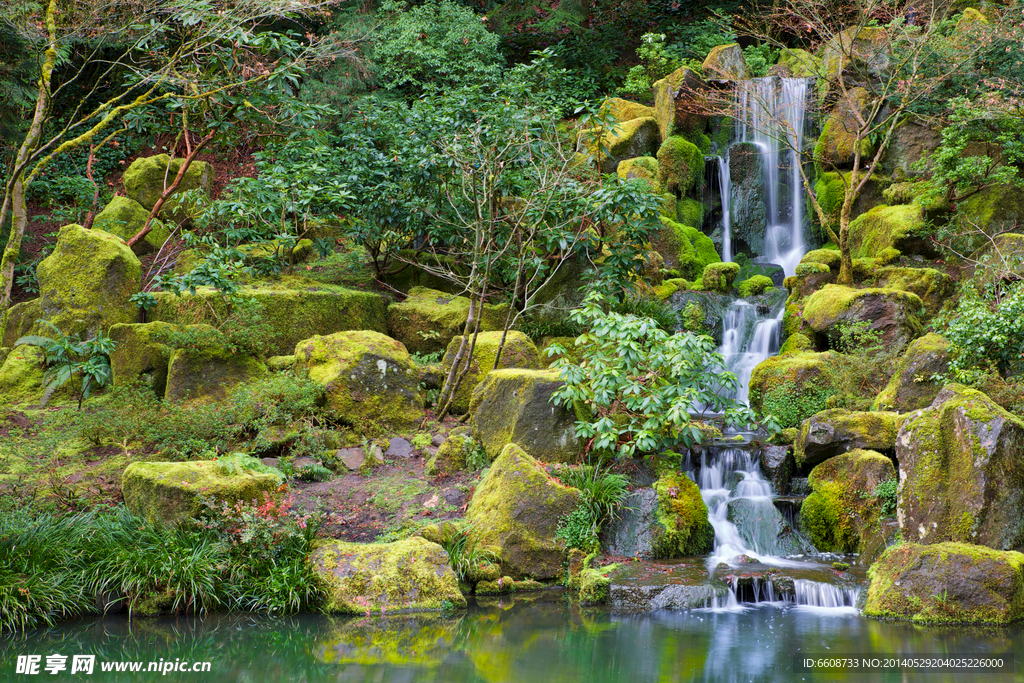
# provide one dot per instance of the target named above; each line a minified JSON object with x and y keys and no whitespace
{"x":428,"y":319}
{"x":680,"y":165}
{"x":21,"y":376}
{"x":830,"y":190}
{"x":517,"y":508}
{"x":20,"y":320}
{"x":946,"y":583}
{"x":684,"y":249}
{"x":624,"y":110}
{"x":841,"y":514}
{"x":172,"y":492}
{"x":726,"y":62}
{"x":911,"y":386}
{"x":838,"y":142}
{"x":748,"y":197}
{"x":800,"y":63}
{"x":451,"y":456}
{"x":831,"y":432}
{"x":208,"y":373}
{"x":997,"y":208}
{"x":675,"y":108}
{"x":124,"y":217}
{"x":718,"y":277}
{"x":961,"y":474}
{"x":147,"y":177}
{"x":933,"y":287}
{"x":645,"y":168}
{"x":626,"y":140}
{"x":912,"y":141}
{"x":683,"y":526}
{"x":367,"y":377}
{"x":518,"y":352}
{"x":893,"y":313}
{"x":514,"y":406}
{"x":828,"y":257}
{"x":86,"y":284}
{"x":753,"y":286}
{"x":143,"y":353}
{"x":378,"y":578}
{"x":795,"y":386}
{"x":282,"y":312}
{"x":902,"y":227}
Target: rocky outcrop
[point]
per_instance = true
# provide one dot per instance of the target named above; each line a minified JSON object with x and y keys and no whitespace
{"x":517,"y":508}
{"x":146,"y":178}
{"x":946,"y":583}
{"x":404,"y":576}
{"x":143,"y":353}
{"x":912,"y":386}
{"x":833,"y":432}
{"x":680,"y":165}
{"x":794,"y":386}
{"x":902,"y":227}
{"x":961,"y":474}
{"x":208,"y":371}
{"x":726,"y":62}
{"x":748,"y":199}
{"x":683,"y":526}
{"x":428,"y":320}
{"x":675,"y":108}
{"x":893,"y":313}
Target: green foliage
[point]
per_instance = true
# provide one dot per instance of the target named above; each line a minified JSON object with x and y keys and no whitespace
{"x":655,"y":64}
{"x":603,"y":494}
{"x":759,"y":58}
{"x":577,"y":530}
{"x":640,"y":383}
{"x":465,"y":554}
{"x":427,"y":358}
{"x":314,"y":472}
{"x":790,"y":404}
{"x":438,"y":44}
{"x":987,"y":330}
{"x":692,"y":41}
{"x":476,"y":458}
{"x":549,"y":85}
{"x":885,"y":493}
{"x":82,"y":365}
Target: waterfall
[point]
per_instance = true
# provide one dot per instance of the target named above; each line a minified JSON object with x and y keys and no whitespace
{"x":748,"y":339}
{"x":824,"y":595}
{"x":724,"y":185}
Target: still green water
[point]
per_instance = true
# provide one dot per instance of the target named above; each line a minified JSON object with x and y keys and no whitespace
{"x":539,"y":639}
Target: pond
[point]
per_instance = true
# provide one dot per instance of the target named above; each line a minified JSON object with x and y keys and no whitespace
{"x":537,"y":637}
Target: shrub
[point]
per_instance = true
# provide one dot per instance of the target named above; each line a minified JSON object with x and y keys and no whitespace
{"x":82,"y":365}
{"x":987,"y":331}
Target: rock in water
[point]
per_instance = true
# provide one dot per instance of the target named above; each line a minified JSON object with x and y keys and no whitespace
{"x":832,"y":432}
{"x":405,"y":576}
{"x":633,"y":530}
{"x":517,"y":508}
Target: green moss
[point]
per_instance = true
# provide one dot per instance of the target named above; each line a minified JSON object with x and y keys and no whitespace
{"x":451,"y":456}
{"x":428,"y":319}
{"x":718,"y":277}
{"x":170,"y":492}
{"x":838,"y":142}
{"x":680,"y":165}
{"x":627,"y":140}
{"x":408,"y":575}
{"x":519,"y":352}
{"x":645,"y":168}
{"x":685,"y":249}
{"x":691,"y":213}
{"x":595,"y":584}
{"x":754,"y":285}
{"x":804,"y":269}
{"x":665,"y":290}
{"x":125,"y":217}
{"x":933,"y":287}
{"x":142,"y":353}
{"x":145,"y":179}
{"x":21,"y":376}
{"x":624,"y":110}
{"x":208,"y":373}
{"x":801,"y":63}
{"x":683,"y":518}
{"x":795,"y":386}
{"x":796,"y":343}
{"x":726,"y":62}
{"x":829,"y":257}
{"x":902,"y":227}
{"x":827,"y":306}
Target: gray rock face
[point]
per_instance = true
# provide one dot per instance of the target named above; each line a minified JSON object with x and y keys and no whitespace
{"x":353,"y":458}
{"x":832,"y":432}
{"x":777,"y":465}
{"x":634,"y":598}
{"x":961,"y":472}
{"x":632,"y":533}
{"x":910,"y":142}
{"x":749,"y":203}
{"x":399,"y":448}
{"x":760,"y":521}
{"x":911,"y":387}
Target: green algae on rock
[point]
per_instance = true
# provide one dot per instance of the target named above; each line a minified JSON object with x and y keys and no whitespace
{"x":143,"y":352}
{"x":684,"y":248}
{"x":208,"y":372}
{"x":947,"y":583}
{"x":903,"y":227}
{"x":684,"y":529}
{"x":451,"y":456}
{"x":795,"y":386}
{"x":894,"y":313}
{"x":125,"y":217}
{"x":146,"y":178}
{"x":718,"y":277}
{"x":680,"y":165}
{"x":517,"y":507}
{"x":753,"y":286}
{"x":380,"y":578}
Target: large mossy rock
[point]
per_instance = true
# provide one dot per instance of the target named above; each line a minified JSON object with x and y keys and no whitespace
{"x":830,"y":190}
{"x":912,"y":141}
{"x":841,"y":514}
{"x":838,"y":144}
{"x":961,"y":472}
{"x":451,"y":457}
{"x":795,"y":386}
{"x":288,"y":312}
{"x":680,"y":165}
{"x":428,"y":319}
{"x":933,"y":287}
{"x":146,"y":178}
{"x":21,"y":318}
{"x":911,"y":386}
{"x":946,"y":583}
{"x":833,"y":432}
{"x":626,"y":140}
{"x":902,"y":227}
{"x":800,"y":63}
{"x":893,"y":313}
{"x":367,"y":377}
{"x":646,"y":169}
{"x":718,"y":277}
{"x":685,"y":249}
{"x":208,"y":372}
{"x":748,"y":198}
{"x":726,"y":62}
{"x":683,"y":527}
{"x":21,"y":376}
{"x":518,"y":352}
{"x":172,"y":492}
{"x":675,"y":103}
{"x":381,"y":578}
{"x":86,"y":284}
{"x":624,"y":110}
{"x":143,"y":354}
{"x":124,"y":217}
{"x":517,"y":508}
{"x":998,"y":208}
{"x":514,"y":406}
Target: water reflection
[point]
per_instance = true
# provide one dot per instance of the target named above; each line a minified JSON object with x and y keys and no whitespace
{"x":543,"y":639}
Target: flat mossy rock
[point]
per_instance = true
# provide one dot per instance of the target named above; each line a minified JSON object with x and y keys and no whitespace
{"x":754,"y":285}
{"x":624,"y":110}
{"x":428,"y":319}
{"x":208,"y":373}
{"x":380,"y":578}
{"x":626,"y":140}
{"x":289,"y":310}
{"x":680,"y":165}
{"x":684,"y":249}
{"x":933,"y":287}
{"x":800,"y":63}
{"x":838,"y":144}
{"x":451,"y":456}
{"x":946,"y":583}
{"x":840,"y":514}
{"x":124,"y":217}
{"x":514,"y":406}
{"x":171,"y":492}
{"x":518,"y":352}
{"x":21,"y":376}
{"x":366,"y":375}
{"x":832,"y":432}
{"x":997,"y":208}
{"x":146,"y":178}
{"x":142,"y":352}
{"x":726,"y":62}
{"x":893,"y":313}
{"x":21,"y":318}
{"x":911,"y":386}
{"x":718,"y":277}
{"x":674,"y":108}
{"x":517,"y":507}
{"x":902,"y":227}
{"x":683,"y":526}
{"x":748,"y":196}
{"x":645,"y":168}
{"x":795,"y":386}
{"x":827,"y":257}
{"x":961,"y":472}
{"x":86,"y":284}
